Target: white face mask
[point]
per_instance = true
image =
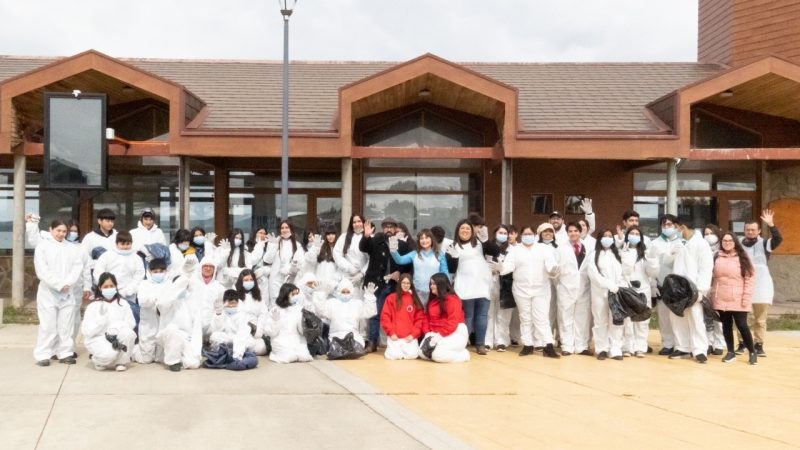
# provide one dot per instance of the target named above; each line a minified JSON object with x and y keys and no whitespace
{"x":607,"y":241}
{"x":712,"y":239}
{"x":237,"y":242}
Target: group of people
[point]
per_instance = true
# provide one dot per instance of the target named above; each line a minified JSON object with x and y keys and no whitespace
{"x":202,"y":299}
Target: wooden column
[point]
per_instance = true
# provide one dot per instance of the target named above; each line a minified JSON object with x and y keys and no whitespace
{"x":18,"y":234}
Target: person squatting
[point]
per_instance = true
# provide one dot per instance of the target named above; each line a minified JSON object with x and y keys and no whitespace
{"x":559,"y":289}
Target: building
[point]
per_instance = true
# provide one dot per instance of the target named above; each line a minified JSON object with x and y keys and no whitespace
{"x":429,"y":140}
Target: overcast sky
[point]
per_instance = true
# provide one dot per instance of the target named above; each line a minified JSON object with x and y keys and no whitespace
{"x":388,"y":30}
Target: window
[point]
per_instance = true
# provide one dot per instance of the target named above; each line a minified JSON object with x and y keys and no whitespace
{"x":542,"y":203}
{"x":422,"y":127}
{"x":709,"y":131}
{"x":700,"y":211}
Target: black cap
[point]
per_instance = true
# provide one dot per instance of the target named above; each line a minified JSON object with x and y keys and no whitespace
{"x":556,"y":214}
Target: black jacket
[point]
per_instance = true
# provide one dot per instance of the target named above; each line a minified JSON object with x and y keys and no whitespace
{"x":380,"y":260}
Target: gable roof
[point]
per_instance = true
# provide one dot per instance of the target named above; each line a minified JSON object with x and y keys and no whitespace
{"x":564,"y":97}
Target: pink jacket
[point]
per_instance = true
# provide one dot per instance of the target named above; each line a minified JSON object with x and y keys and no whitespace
{"x":729,"y":291}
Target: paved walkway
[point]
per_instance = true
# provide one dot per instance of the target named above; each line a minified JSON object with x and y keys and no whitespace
{"x":496,"y":401}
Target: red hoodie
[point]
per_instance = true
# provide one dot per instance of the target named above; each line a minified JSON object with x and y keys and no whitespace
{"x":408,"y":320}
{"x":444,"y":325}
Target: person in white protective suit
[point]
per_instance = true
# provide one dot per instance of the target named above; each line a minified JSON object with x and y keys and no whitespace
{"x":351,"y":261}
{"x":716,"y":340}
{"x":254,"y":306}
{"x":499,"y":326}
{"x":533,"y":265}
{"x":444,"y":328}
{"x":186,"y":304}
{"x":694,"y":261}
{"x":233,"y":257}
{"x":147,"y":232}
{"x":630,"y":219}
{"x":126,"y":266}
{"x":604,"y":267}
{"x":230,"y":326}
{"x":284,"y":326}
{"x":574,"y":305}
{"x":108,"y":327}
{"x":344,"y":312}
{"x":320,"y":257}
{"x":403,"y":319}
{"x":258,"y":240}
{"x":59,"y":266}
{"x":285,"y":256}
{"x":150,"y":290}
{"x":639,"y":266}
{"x":665,"y":246}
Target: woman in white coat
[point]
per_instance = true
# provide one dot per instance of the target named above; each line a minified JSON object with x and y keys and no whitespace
{"x":351,"y":261}
{"x":108,"y":327}
{"x":285,"y":257}
{"x":284,"y":326}
{"x":320,"y":257}
{"x":254,"y":307}
{"x":59,"y":267}
{"x":498,"y":330}
{"x":605,"y":273}
{"x":574,"y":300}
{"x":639,"y":266}
{"x":233,"y":257}
{"x":344,"y":311}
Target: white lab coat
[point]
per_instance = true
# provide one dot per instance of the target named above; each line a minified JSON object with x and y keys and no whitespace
{"x":764,"y":290}
{"x":574,"y":301}
{"x":473,"y":279}
{"x":354,"y":261}
{"x":113,"y":318}
{"x":227,"y":274}
{"x":127,"y":269}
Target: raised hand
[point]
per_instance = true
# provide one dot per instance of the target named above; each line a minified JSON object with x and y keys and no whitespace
{"x":371,"y":288}
{"x":586,"y":205}
{"x":767,"y":217}
{"x":393,"y":243}
{"x":369,"y":228}
{"x":211,"y":237}
{"x":272,"y":239}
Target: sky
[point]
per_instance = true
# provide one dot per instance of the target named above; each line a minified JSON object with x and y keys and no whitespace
{"x":356,"y":30}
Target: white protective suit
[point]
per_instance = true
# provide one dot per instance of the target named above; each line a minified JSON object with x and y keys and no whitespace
{"x":209,"y":293}
{"x":694,"y":261}
{"x":641,"y":270}
{"x":229,"y":273}
{"x":127,"y":269}
{"x":143,"y":236}
{"x":574,"y":313}
{"x":233,"y":330}
{"x":664,"y":250}
{"x":353,"y":262}
{"x":145,"y":352}
{"x":533,"y":267}
{"x":113,"y":318}
{"x":451,"y":348}
{"x":344,"y":316}
{"x":284,"y":265}
{"x":499,"y":325}
{"x":284,"y":326}
{"x":57,"y":264}
{"x":606,"y":276}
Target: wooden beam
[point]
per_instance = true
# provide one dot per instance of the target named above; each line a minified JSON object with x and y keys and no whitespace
{"x":722,"y":154}
{"x":424,"y":153}
{"x":117,"y":148}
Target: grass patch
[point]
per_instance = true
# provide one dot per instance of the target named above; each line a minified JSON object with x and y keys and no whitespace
{"x":786,"y":322}
{"x":24,"y":316}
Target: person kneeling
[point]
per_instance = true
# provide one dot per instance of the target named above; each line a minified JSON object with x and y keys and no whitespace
{"x":230,"y":327}
{"x":284,"y":326}
{"x":344,"y":314}
{"x":108,"y":327}
{"x":403,"y":318}
{"x":445,"y":332}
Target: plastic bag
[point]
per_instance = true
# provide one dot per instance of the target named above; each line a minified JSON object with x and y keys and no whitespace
{"x":506,"y":296}
{"x":426,"y":348}
{"x":318,"y":346}
{"x":628,"y":303}
{"x":312,"y":326}
{"x":710,"y":315}
{"x":222,"y":358}
{"x":678,"y":293}
{"x":347,"y":348}
{"x":249,"y":361}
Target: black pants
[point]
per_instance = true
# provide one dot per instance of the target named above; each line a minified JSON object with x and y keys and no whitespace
{"x":740,"y":317}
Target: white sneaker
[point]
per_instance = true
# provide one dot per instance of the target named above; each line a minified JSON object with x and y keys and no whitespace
{"x":122,"y":368}
{"x":639,"y":354}
{"x":99,"y":367}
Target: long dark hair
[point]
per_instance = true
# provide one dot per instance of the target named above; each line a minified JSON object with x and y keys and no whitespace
{"x":745,"y":264}
{"x":348,"y":239}
{"x":182,"y":235}
{"x":399,"y":292}
{"x":98,"y":292}
{"x":326,"y":251}
{"x":640,"y":247}
{"x":434,"y":242}
{"x":409,"y":239}
{"x":443,"y":290}
{"x":502,"y":246}
{"x":251,"y":243}
{"x":284,"y":294}
{"x":598,"y":247}
{"x":473,"y":240}
{"x":232,"y":242}
{"x":293,"y":237}
{"x":255,"y":292}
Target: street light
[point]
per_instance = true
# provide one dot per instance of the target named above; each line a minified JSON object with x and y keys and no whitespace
{"x":287,"y":6}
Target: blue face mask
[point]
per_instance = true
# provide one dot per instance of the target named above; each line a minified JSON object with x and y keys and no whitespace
{"x":528,"y":239}
{"x":501,"y":238}
{"x":248,"y":285}
{"x":547,"y":241}
{"x":109,"y":293}
{"x":634,"y":240}
{"x":158,"y":277}
{"x":183,"y":247}
{"x":125,"y":252}
{"x":199,"y":240}
{"x":295,"y":299}
{"x":231,"y":311}
{"x":607,"y":241}
{"x":343,"y":297}
{"x":669,"y":232}
{"x":72,"y":236}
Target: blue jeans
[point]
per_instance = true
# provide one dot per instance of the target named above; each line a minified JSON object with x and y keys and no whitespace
{"x":375,"y":322}
{"x":476,"y":315}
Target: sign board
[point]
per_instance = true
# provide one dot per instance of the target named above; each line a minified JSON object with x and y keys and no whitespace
{"x":75,"y":147}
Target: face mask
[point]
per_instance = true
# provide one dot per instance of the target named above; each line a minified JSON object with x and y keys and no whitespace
{"x":199,"y":240}
{"x":183,"y":247}
{"x":230,"y":311}
{"x":248,"y":285}
{"x":483,"y":234}
{"x":501,"y":238}
{"x":157,"y":277}
{"x":125,"y":252}
{"x":669,"y":232}
{"x":295,"y":299}
{"x":343,"y":297}
{"x":72,"y":236}
{"x":712,"y":239}
{"x":109,"y":293}
{"x":237,"y":242}
{"x":528,"y":239}
{"x":547,"y":241}
{"x":606,"y":241}
{"x":634,"y":240}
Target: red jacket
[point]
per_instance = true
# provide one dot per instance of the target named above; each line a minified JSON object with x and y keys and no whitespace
{"x":408,"y":320}
{"x":448,"y":324}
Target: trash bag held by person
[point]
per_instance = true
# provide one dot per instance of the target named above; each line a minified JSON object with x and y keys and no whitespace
{"x":678,"y":293}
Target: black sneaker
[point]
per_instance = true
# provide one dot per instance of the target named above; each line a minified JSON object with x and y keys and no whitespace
{"x":679,"y":354}
{"x":753,"y":359}
{"x":538,"y":349}
{"x":701,"y":358}
{"x":67,"y":360}
{"x":710,"y":350}
{"x":501,"y":348}
{"x":665,"y":351}
{"x":649,"y":349}
{"x":43,"y":363}
{"x":480,"y":349}
{"x":526,"y":350}
{"x":602,"y":355}
{"x":550,"y":352}
{"x":586,"y":352}
{"x":563,"y":353}
{"x":760,"y":350}
{"x":729,"y":357}
{"x":618,"y":358}
{"x":718,"y":352}
{"x":740,"y":349}
{"x":176,"y":367}
{"x":514,"y":343}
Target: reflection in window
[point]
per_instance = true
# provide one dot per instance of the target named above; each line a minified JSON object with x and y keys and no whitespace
{"x":711,"y":132}
{"x":422,"y":128}
{"x":541,"y":203}
{"x":417,"y":182}
{"x":419,"y":211}
{"x":657,"y":181}
{"x":250,"y":211}
{"x":699,"y":211}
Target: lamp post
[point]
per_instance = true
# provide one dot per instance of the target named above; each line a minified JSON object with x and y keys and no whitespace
{"x":287,"y":6}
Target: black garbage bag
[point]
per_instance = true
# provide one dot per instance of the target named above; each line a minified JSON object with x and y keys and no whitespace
{"x":618,"y":313}
{"x":426,"y":348}
{"x":318,"y":346}
{"x":347,"y":348}
{"x":217,"y":358}
{"x":249,"y":361}
{"x":628,"y":303}
{"x":312,"y":326}
{"x":710,"y":315}
{"x":678,"y":293}
{"x":506,"y":296}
